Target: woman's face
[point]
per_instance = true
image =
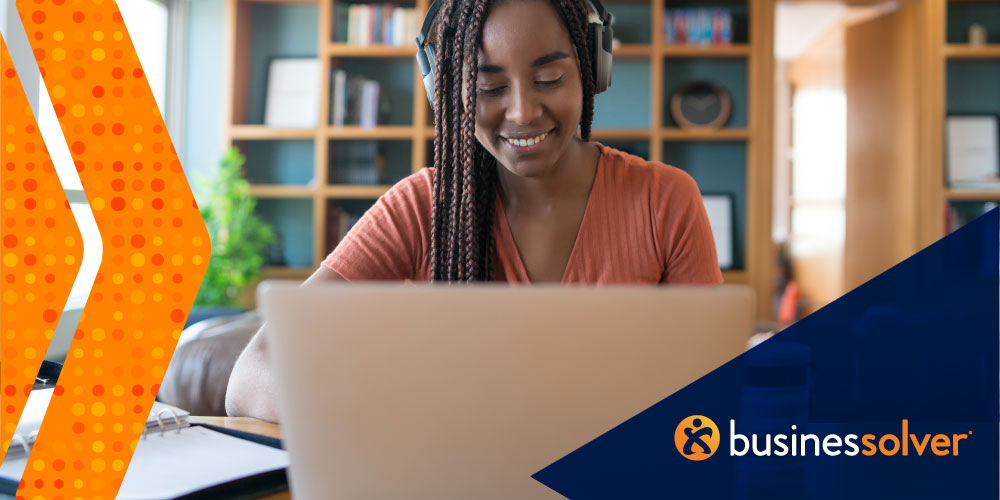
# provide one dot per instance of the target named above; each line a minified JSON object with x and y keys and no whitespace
{"x":530,"y":97}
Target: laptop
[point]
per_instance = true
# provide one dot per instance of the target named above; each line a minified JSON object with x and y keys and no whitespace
{"x":417,"y":392}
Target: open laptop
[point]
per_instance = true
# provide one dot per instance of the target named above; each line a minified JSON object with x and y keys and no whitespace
{"x":401,"y":391}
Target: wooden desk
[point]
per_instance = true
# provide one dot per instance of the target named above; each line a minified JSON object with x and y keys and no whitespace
{"x":247,"y":425}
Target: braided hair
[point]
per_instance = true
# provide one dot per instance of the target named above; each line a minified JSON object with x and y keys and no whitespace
{"x":462,"y":244}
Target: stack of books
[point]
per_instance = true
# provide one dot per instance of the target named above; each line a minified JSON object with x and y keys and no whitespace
{"x":697,"y":26}
{"x":370,"y":24}
{"x":355,"y":162}
{"x":356,"y":100}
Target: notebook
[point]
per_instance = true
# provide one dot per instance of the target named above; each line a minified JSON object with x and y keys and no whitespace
{"x":173,"y":460}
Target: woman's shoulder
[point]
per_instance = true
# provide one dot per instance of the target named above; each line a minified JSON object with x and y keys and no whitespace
{"x":420,"y":183}
{"x":637,"y":175}
{"x":415,"y":191}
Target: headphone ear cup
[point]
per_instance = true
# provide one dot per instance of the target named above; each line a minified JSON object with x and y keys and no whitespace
{"x":431,"y":61}
{"x":599,"y":37}
{"x":605,"y":58}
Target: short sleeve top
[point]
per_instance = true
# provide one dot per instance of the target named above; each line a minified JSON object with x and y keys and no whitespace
{"x":644,"y":223}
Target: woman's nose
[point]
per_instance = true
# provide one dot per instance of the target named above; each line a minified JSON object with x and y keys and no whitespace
{"x":524,"y":106}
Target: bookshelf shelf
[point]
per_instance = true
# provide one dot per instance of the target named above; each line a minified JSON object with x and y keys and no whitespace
{"x":283,"y":2}
{"x":641,"y":134}
{"x":723,"y":134}
{"x":735,"y":277}
{"x":960,"y":51}
{"x":379,"y":132}
{"x":349,"y":192}
{"x":275,"y":191}
{"x":734,"y":50}
{"x":633,"y":50}
{"x":973,"y":195}
{"x":261,"y":132}
{"x":278,"y":273}
{"x":373,"y":51}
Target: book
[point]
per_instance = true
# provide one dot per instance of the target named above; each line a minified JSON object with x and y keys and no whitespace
{"x":697,"y":27}
{"x":973,"y":149}
{"x":341,"y":16}
{"x":369,"y":104}
{"x":355,"y":162}
{"x":293,"y":91}
{"x":339,"y":89}
{"x":173,"y":458}
{"x":357,"y":100}
{"x":371,"y":24}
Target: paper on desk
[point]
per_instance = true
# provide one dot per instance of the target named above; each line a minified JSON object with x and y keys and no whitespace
{"x":180,"y":463}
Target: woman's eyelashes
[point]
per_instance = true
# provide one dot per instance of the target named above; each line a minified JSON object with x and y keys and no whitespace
{"x":497,"y":90}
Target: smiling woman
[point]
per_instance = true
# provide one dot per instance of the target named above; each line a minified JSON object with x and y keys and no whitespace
{"x":518,"y":191}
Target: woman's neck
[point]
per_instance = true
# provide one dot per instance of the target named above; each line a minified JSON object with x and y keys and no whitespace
{"x":571,"y":177}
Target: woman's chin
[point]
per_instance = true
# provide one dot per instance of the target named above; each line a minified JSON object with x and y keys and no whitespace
{"x":528,"y":169}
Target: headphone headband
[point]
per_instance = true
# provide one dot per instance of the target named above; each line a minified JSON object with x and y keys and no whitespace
{"x":599,"y":35}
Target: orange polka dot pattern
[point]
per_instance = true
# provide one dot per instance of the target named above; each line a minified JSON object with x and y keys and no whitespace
{"x":155,"y":252}
{"x":40,"y":249}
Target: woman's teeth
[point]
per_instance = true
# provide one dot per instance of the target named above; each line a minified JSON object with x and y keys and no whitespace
{"x":527,"y":142}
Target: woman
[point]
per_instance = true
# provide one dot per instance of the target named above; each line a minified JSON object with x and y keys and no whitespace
{"x":515,"y":195}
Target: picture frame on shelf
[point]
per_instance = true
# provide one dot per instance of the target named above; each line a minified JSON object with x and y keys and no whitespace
{"x":293,"y":92}
{"x":973,"y":150}
{"x":721,"y":213}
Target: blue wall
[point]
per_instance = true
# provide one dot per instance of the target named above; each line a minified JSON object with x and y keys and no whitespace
{"x":203,"y":93}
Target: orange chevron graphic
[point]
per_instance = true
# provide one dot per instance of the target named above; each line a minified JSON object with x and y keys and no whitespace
{"x":156,"y":248}
{"x":41,"y":247}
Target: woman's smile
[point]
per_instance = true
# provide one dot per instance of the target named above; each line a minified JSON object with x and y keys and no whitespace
{"x":523,"y":144}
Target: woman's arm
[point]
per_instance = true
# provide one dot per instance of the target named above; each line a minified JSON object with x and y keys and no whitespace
{"x":251,"y":391}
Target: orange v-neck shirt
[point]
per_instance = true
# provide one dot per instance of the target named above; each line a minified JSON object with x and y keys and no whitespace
{"x":644,"y":223}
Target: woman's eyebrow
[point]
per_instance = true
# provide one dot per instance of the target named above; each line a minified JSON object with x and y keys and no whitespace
{"x":541,"y":61}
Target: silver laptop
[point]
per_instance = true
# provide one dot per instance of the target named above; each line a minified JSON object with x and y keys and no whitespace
{"x":418,"y":392}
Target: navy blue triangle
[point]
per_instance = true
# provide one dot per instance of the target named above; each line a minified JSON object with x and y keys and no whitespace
{"x":918,"y":342}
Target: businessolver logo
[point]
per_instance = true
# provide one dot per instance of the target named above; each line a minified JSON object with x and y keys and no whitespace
{"x":697,"y":437}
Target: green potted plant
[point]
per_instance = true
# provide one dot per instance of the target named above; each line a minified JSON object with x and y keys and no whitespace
{"x":240,"y":239}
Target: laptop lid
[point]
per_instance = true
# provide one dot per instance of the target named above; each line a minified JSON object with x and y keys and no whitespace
{"x":403,"y":391}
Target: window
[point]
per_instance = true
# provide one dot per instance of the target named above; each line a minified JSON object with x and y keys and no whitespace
{"x":146,"y":21}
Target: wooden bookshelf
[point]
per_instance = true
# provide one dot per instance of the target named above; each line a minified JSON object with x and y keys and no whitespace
{"x":620,"y":134}
{"x":973,"y":195}
{"x":951,"y":71}
{"x":735,"y":277}
{"x":349,"y":192}
{"x":724,"y":134}
{"x":292,"y":2}
{"x":957,"y":51}
{"x":278,"y":191}
{"x":633,"y":50}
{"x":263,"y":133}
{"x":370,"y":51}
{"x":280,"y":273}
{"x":695,"y":51}
{"x":379,"y":132}
{"x":642,"y":64}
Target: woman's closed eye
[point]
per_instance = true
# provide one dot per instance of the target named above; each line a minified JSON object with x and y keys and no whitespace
{"x":550,"y":82}
{"x":498,"y":90}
